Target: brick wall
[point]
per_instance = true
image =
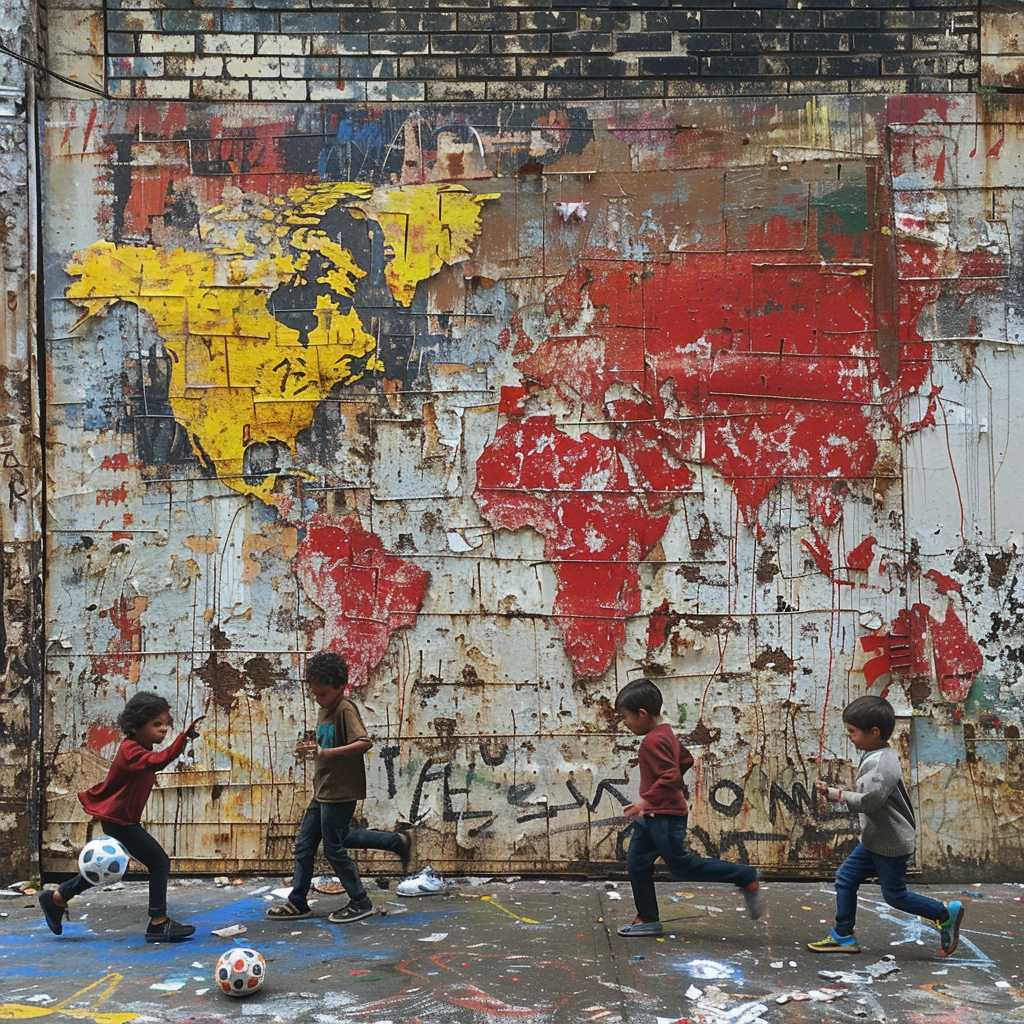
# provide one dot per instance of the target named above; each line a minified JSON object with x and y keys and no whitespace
{"x":496,"y":49}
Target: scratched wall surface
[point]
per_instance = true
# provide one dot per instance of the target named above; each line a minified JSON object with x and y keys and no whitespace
{"x":510,"y":405}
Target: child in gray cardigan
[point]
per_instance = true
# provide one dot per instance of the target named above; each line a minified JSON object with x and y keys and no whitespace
{"x":888,"y":832}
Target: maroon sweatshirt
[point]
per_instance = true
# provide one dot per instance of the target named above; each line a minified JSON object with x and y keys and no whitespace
{"x":663,"y":759}
{"x":122,"y":795}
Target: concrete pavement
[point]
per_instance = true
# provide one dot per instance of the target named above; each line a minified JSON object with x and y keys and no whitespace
{"x":536,"y":950}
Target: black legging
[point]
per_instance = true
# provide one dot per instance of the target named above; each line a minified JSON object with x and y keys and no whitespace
{"x":143,"y":847}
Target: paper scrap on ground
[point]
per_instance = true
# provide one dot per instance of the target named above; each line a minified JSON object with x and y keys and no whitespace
{"x":434,"y":937}
{"x":229,"y":931}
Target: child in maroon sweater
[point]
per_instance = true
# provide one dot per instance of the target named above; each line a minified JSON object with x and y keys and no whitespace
{"x":118,"y":801}
{"x":659,"y":816}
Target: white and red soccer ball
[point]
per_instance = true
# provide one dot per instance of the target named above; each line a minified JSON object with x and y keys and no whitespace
{"x":240,"y":972}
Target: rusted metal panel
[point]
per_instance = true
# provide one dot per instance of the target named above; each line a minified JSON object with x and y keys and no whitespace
{"x":694,"y":390}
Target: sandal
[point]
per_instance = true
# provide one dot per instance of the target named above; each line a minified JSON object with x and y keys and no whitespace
{"x":289,"y":910}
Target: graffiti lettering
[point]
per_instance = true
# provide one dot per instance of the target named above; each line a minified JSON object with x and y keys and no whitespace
{"x":517,"y":796}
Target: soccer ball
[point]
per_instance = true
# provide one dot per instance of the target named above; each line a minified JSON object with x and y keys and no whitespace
{"x":103,"y":861}
{"x":240,"y":972}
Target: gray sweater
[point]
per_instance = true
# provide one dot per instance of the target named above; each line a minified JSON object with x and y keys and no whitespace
{"x":880,"y":797}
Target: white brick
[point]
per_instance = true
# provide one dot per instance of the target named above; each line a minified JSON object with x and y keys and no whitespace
{"x":293,"y":67}
{"x":252,"y":67}
{"x":278,"y":90}
{"x":330,"y":91}
{"x":166,"y":43}
{"x":280,"y":45}
{"x":205,"y":89}
{"x":163,"y":88}
{"x":236,"y":45}
{"x":78,"y":32}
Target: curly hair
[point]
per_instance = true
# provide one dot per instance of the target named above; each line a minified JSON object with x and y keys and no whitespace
{"x":327,"y":668}
{"x":139,"y":710}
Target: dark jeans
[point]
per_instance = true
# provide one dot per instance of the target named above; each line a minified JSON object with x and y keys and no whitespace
{"x":143,"y":847}
{"x":891,"y":872}
{"x":331,"y":825}
{"x":664,"y":835}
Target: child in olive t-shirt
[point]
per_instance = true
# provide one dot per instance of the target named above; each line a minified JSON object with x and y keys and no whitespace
{"x":339,"y":783}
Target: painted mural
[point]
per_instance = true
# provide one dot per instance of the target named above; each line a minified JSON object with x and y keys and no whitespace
{"x":510,"y":405}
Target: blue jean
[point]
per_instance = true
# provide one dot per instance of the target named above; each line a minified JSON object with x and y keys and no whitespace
{"x":664,"y":835}
{"x":144,"y":848}
{"x":891,"y":872}
{"x":331,"y":825}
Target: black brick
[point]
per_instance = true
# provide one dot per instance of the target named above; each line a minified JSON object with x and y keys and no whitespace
{"x":706,"y":42}
{"x":793,"y":20}
{"x":388,"y":42}
{"x":954,"y":65}
{"x":304,"y":24}
{"x":549,"y":67}
{"x":912,"y":19}
{"x":851,"y":19}
{"x":460,"y":43}
{"x":426,"y":67}
{"x":650,"y":42}
{"x":559,"y":21}
{"x":368,"y":21}
{"x":515,"y":90}
{"x":761,"y":42}
{"x":425,"y":21}
{"x":487,"y":67}
{"x":604,"y":67}
{"x":190,"y":21}
{"x":533,"y":42}
{"x":669,"y":66}
{"x":581,"y":90}
{"x":736,"y":20}
{"x":120,"y":43}
{"x":249,"y":21}
{"x":487,"y":21}
{"x":581,"y":42}
{"x":603,"y":21}
{"x":850,"y":67}
{"x":659,"y":20}
{"x":880,"y":42}
{"x":632,"y":88}
{"x":728,"y":67}
{"x":819,"y":42}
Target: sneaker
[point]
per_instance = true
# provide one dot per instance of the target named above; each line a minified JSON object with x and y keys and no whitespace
{"x":54,"y":914}
{"x":642,"y":929}
{"x":835,"y":944}
{"x":169,"y":931}
{"x":427,"y":883}
{"x":949,"y":930}
{"x":753,"y":895}
{"x":352,"y":912}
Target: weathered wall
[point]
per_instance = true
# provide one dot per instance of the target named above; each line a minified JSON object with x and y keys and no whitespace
{"x":511,"y":403}
{"x":741,"y":421}
{"x":20,"y":466}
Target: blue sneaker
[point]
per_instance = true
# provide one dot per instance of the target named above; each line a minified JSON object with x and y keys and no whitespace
{"x":949,"y":930}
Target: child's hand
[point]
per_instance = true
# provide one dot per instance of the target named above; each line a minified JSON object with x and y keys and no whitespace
{"x":192,"y":732}
{"x":828,"y":792}
{"x":306,"y":748}
{"x":634,"y":810}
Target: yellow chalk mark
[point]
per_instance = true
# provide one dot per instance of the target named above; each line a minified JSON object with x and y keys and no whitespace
{"x":523,"y":920}
{"x":246,"y":762}
{"x":21,"y":1011}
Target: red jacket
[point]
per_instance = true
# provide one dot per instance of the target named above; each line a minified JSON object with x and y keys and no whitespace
{"x":122,"y":795}
{"x":663,"y":759}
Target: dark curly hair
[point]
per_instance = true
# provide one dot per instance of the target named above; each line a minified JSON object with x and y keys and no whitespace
{"x":327,"y":668}
{"x":139,"y":710}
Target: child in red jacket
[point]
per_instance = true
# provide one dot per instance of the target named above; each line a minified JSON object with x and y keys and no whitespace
{"x":118,"y":801}
{"x":659,"y":816}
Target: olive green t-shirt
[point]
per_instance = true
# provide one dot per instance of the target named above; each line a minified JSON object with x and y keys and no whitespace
{"x":340,"y":779}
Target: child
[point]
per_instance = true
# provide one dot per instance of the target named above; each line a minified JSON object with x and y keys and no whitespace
{"x":659,"y":816}
{"x":887,"y":833}
{"x":117,"y":803}
{"x":339,"y":781}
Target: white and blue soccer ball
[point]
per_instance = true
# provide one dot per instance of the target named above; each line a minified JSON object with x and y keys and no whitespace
{"x":103,"y":861}
{"x":240,"y":971}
